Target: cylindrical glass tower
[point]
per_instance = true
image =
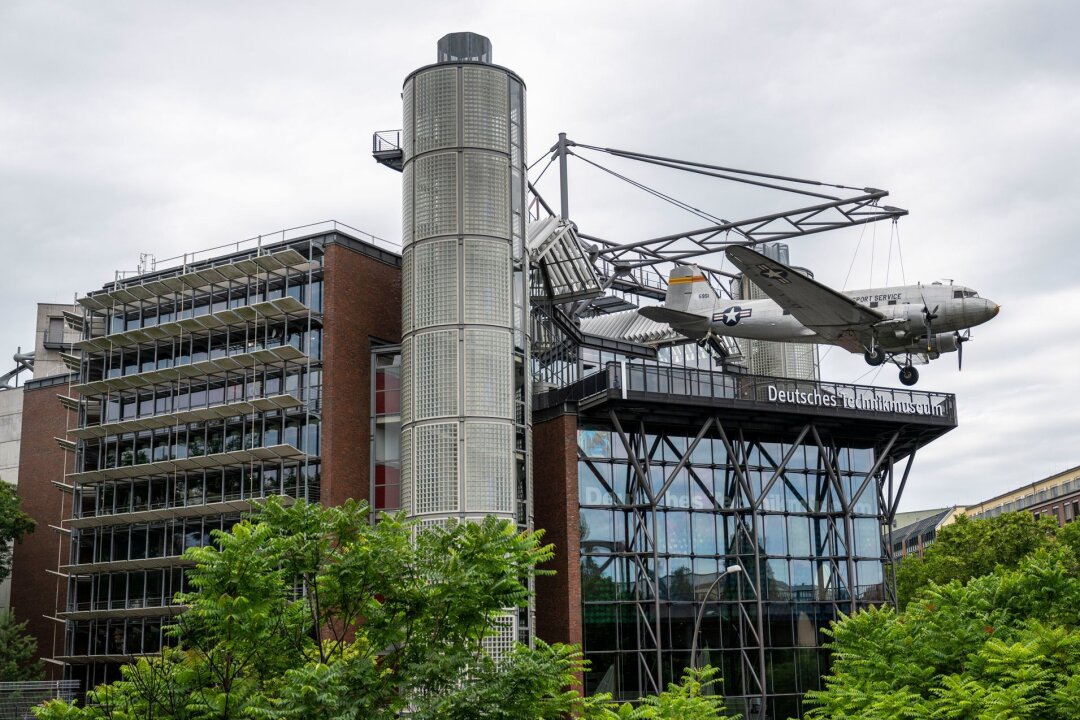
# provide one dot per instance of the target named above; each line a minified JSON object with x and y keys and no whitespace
{"x":465,"y":391}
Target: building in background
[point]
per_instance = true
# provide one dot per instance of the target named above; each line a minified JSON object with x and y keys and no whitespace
{"x":51,"y":339}
{"x":776,"y":359}
{"x":11,"y":400}
{"x":913,"y":532}
{"x":1056,"y":497}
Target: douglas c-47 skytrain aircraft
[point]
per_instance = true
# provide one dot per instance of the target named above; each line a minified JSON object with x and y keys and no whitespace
{"x":918,"y":322}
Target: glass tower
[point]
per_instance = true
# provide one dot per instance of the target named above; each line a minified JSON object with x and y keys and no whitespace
{"x":464,"y":411}
{"x":465,"y":416}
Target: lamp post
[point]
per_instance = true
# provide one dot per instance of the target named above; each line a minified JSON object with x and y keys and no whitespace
{"x":729,"y":570}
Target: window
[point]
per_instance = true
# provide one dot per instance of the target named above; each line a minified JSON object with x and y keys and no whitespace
{"x":55,"y":333}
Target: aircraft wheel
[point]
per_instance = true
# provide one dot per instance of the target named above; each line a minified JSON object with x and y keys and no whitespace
{"x":909,"y":375}
{"x":875,"y":356}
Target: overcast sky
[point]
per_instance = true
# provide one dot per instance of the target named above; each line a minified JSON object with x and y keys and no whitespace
{"x":165,"y":127}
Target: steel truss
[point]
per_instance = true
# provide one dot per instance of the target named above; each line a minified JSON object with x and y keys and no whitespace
{"x":640,"y":444}
{"x":641,"y":266}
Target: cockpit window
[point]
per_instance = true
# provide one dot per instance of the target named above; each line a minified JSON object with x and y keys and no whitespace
{"x":965,"y":294}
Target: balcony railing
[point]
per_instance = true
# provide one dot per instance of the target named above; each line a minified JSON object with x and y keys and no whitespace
{"x":697,"y":387}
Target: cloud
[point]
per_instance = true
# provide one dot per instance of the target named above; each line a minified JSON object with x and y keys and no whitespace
{"x":174,"y":126}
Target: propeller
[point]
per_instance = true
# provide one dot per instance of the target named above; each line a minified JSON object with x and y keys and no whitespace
{"x":960,"y":340}
{"x":928,"y":316}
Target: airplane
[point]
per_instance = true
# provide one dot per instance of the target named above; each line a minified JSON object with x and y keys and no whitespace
{"x":916,"y":322}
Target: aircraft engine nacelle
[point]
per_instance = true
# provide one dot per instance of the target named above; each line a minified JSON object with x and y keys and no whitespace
{"x":939,"y":343}
{"x":909,"y":324}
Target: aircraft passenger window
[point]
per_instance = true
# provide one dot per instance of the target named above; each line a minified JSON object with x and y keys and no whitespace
{"x":892,"y":302}
{"x":787,"y":312}
{"x":873,"y":303}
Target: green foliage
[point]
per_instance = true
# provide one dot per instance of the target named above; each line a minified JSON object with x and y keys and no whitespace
{"x":17,"y":651}
{"x":311,"y":612}
{"x":969,"y":548}
{"x":14,"y":525}
{"x":1005,"y":645}
{"x":685,"y":701}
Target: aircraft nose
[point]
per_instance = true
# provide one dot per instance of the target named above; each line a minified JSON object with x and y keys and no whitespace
{"x":996,"y":309}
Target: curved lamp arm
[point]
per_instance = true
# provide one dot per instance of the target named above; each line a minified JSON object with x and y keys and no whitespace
{"x":729,"y":570}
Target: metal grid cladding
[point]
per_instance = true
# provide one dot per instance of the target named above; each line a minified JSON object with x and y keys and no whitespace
{"x":465,"y":394}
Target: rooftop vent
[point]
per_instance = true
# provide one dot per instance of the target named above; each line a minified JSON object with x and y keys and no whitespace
{"x":464,"y":47}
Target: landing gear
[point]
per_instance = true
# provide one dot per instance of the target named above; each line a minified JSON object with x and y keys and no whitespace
{"x":909,"y":375}
{"x":875,"y":356}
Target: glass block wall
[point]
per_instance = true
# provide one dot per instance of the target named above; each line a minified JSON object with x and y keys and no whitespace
{"x":464,"y":402}
{"x":465,"y":416}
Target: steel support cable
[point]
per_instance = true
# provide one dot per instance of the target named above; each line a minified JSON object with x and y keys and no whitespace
{"x":900,"y":252}
{"x":888,"y":260}
{"x":652,"y":191}
{"x":854,"y":256}
{"x":631,"y":155}
{"x":873,"y":253}
{"x":704,"y":169}
{"x":530,"y":169}
{"x":677,"y":203}
{"x":545,"y":155}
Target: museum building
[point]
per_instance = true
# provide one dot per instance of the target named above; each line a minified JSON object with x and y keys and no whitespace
{"x":700,"y":513}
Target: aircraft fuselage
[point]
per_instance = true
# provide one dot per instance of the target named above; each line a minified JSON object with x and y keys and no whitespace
{"x":956,"y":308}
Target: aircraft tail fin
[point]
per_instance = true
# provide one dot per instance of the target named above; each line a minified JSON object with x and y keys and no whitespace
{"x":689,"y":291}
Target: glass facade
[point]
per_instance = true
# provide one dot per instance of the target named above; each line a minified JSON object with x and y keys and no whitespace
{"x":663,"y":512}
{"x":198,"y":392}
{"x":386,"y":430}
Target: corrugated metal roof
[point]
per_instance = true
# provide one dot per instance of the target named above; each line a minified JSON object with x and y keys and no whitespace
{"x":628,"y":325}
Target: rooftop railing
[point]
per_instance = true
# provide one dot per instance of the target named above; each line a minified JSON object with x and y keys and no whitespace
{"x":695,"y":386}
{"x":255,"y":245}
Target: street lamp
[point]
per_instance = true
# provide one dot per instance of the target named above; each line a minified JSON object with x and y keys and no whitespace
{"x":729,"y":570}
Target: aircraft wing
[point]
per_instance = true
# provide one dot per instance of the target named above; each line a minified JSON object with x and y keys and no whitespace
{"x":832,"y":315}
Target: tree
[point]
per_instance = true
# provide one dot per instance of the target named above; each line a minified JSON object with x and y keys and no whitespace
{"x":685,"y":701}
{"x":17,"y":651}
{"x":305,"y":611}
{"x":14,"y":525}
{"x":970,"y":547}
{"x":1003,"y":645}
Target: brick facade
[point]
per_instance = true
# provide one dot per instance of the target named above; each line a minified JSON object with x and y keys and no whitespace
{"x":361,"y":302}
{"x":558,"y":597}
{"x":36,"y":593}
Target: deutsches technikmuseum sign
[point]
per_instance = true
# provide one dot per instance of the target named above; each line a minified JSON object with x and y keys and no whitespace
{"x":866,"y":400}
